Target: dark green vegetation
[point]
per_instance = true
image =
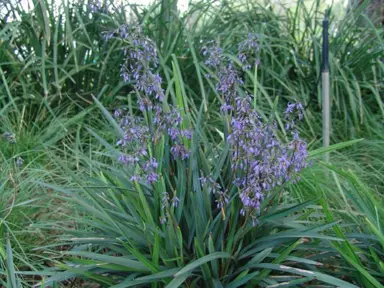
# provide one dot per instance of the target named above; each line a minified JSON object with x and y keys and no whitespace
{"x":70,"y":215}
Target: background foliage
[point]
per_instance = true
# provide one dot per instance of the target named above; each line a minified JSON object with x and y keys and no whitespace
{"x":69,"y":216}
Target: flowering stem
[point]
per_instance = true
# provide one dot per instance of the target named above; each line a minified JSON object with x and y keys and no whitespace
{"x":255,"y":88}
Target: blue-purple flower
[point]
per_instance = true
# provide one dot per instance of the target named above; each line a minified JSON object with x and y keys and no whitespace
{"x":96,"y":6}
{"x":179,"y":151}
{"x":175,"y":201}
{"x":152,"y":177}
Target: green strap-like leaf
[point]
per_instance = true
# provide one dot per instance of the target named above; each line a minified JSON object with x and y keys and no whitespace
{"x":306,"y":273}
{"x":176,"y":282}
{"x":146,"y":279}
{"x":190,"y":267}
{"x":333,"y":147}
{"x":123,"y":261}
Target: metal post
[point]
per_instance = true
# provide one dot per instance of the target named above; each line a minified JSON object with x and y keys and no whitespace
{"x":325,"y":87}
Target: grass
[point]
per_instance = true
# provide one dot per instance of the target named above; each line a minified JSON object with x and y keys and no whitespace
{"x":70,"y":194}
{"x":25,"y":204}
{"x":290,"y":54}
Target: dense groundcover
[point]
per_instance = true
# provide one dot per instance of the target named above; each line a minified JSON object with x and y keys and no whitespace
{"x":147,"y":147}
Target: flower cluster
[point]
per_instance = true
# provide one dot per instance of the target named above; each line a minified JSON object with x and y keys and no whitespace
{"x":227,"y":74}
{"x":260,"y":160}
{"x":96,"y":6}
{"x":135,"y":140}
{"x":138,"y":136}
{"x":139,"y":132}
{"x":214,"y":53}
{"x":165,"y":201}
{"x":247,"y":48}
{"x":221,"y":194}
{"x":10,"y":137}
{"x":19,"y":161}
{"x":290,"y":113}
{"x":139,"y":65}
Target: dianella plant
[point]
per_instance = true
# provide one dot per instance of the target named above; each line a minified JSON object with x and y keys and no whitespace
{"x":176,"y":204}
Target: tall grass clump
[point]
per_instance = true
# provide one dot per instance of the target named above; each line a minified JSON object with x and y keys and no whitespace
{"x":145,"y":148}
{"x":350,"y":195}
{"x":178,"y":206}
{"x":27,"y":208}
{"x":290,"y":52}
{"x":53,"y":56}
